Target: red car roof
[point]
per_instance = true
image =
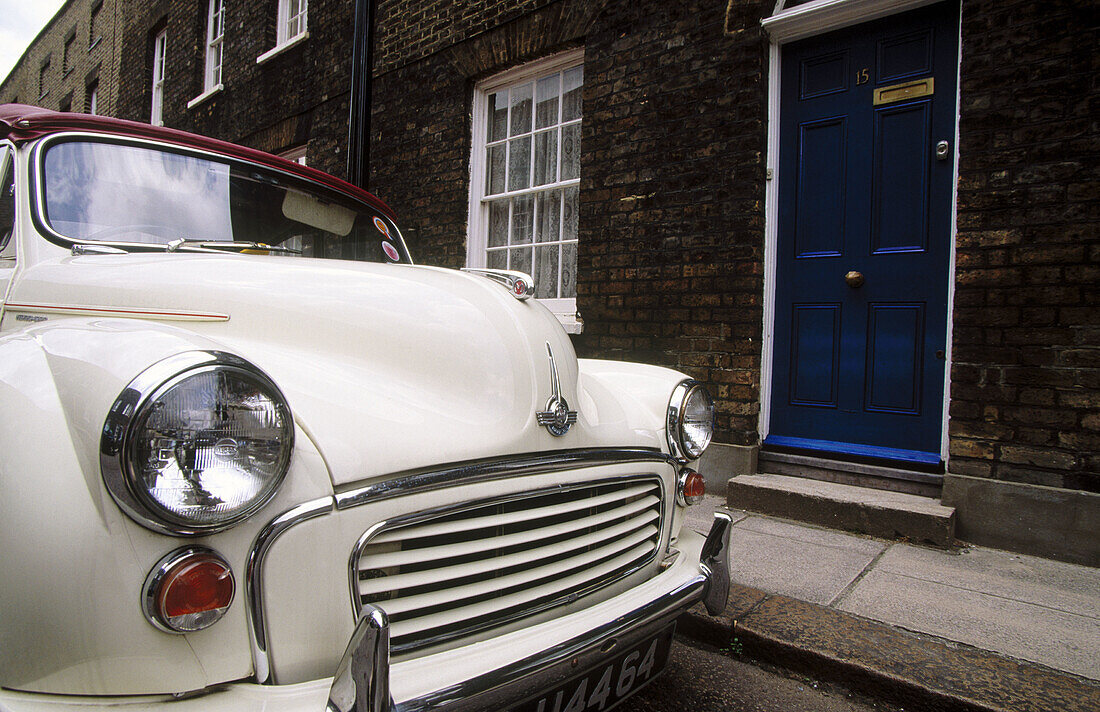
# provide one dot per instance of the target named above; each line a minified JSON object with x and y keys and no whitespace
{"x":21,"y":123}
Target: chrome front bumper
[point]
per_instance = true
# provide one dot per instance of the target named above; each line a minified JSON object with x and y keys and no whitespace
{"x":361,"y":683}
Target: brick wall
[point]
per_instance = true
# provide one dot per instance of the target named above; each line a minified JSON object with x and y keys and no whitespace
{"x":90,"y":60}
{"x":298,"y":97}
{"x":1025,"y":381}
{"x":672,"y":192}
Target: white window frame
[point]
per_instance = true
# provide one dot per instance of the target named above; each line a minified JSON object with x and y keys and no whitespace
{"x":565,"y":308}
{"x":160,"y":48}
{"x":215,"y":35}
{"x":284,"y":38}
{"x":297,"y":154}
{"x":93,"y":99}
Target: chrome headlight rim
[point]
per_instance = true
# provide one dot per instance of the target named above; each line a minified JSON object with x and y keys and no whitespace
{"x":117,"y":440}
{"x":677,"y":443}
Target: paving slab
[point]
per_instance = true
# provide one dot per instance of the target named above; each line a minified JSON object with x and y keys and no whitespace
{"x":1052,"y":584}
{"x":701,"y":515}
{"x":814,"y":565}
{"x":1060,"y":640}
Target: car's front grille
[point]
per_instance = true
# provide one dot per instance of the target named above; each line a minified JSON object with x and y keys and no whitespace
{"x":444,"y":575}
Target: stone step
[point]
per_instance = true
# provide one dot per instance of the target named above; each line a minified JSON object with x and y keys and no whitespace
{"x":927,"y":484}
{"x":880,"y":513}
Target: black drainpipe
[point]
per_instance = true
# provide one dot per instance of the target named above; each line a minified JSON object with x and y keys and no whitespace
{"x":362,"y":61}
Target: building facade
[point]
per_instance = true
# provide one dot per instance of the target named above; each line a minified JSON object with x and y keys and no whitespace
{"x":73,"y":64}
{"x":870,"y":226}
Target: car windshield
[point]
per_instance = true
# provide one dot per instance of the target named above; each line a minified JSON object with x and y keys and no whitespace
{"x":99,"y":191}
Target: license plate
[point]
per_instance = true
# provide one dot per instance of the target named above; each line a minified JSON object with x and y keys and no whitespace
{"x":604,"y":686}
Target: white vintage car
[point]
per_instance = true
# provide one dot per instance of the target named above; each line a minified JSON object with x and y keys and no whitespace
{"x":252,"y":458}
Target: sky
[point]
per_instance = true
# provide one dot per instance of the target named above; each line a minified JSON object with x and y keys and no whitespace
{"x":20,"y":22}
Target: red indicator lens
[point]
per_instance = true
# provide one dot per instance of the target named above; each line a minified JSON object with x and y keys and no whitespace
{"x":692,"y":486}
{"x":188,"y":590}
{"x":196,"y":586}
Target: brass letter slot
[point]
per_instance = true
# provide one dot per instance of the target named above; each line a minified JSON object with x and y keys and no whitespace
{"x":905,"y":90}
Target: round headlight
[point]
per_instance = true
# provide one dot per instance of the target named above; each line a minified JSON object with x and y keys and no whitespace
{"x":196,"y":443}
{"x":690,"y":420}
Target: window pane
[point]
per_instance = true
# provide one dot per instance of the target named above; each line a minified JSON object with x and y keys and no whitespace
{"x":522,"y":218}
{"x":570,"y":152}
{"x":548,"y":228}
{"x":521,"y":109}
{"x":569,"y":219}
{"x":546,"y":277}
{"x":571,"y":90}
{"x":498,"y":223}
{"x":498,"y":259}
{"x":519,"y":163}
{"x":546,"y":108}
{"x":496,"y":169}
{"x":569,"y":270}
{"x":546,"y":157}
{"x":498,"y":115}
{"x":521,"y":260}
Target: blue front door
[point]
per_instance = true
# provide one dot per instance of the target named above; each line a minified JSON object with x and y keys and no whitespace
{"x":866,"y":169}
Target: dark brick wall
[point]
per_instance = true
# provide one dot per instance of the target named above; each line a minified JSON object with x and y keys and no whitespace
{"x":672,"y":193}
{"x":1025,"y":381}
{"x":409,"y":30}
{"x":298,"y":97}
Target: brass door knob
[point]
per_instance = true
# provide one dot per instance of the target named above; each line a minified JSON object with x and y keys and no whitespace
{"x":854,"y":279}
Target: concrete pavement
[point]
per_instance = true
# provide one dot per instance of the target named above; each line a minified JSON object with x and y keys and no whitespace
{"x":962,"y":628}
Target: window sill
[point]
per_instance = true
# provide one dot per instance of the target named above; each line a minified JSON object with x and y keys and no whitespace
{"x":92,"y":45}
{"x":204,"y":96}
{"x":572,"y":323}
{"x":282,"y":48}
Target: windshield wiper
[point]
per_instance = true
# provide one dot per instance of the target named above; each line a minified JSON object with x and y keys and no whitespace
{"x":227,"y":246}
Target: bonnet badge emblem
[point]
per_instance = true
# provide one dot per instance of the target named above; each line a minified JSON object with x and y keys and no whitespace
{"x":557,"y":417}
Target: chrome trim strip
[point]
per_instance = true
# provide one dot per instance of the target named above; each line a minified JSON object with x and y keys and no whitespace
{"x":482,"y":471}
{"x":116,"y":439}
{"x":714,"y":560}
{"x":496,"y":622}
{"x":253,"y":581}
{"x":478,"y":693}
{"x":362,"y":680}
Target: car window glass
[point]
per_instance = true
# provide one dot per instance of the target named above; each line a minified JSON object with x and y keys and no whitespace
{"x":118,"y":193}
{"x":7,"y":201}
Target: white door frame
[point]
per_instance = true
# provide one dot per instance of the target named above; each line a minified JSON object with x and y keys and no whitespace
{"x":800,"y":22}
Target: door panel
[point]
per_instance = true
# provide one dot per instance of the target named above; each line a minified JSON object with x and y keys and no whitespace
{"x":815,"y":347}
{"x":894,"y":337}
{"x":820,"y":209}
{"x":858,"y":363}
{"x":899,"y":210}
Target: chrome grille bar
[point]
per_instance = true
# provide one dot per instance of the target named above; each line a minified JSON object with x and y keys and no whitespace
{"x":480,"y":565}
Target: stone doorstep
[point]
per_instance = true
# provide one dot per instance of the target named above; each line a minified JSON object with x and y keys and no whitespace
{"x":879,"y":513}
{"x":880,"y":660}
